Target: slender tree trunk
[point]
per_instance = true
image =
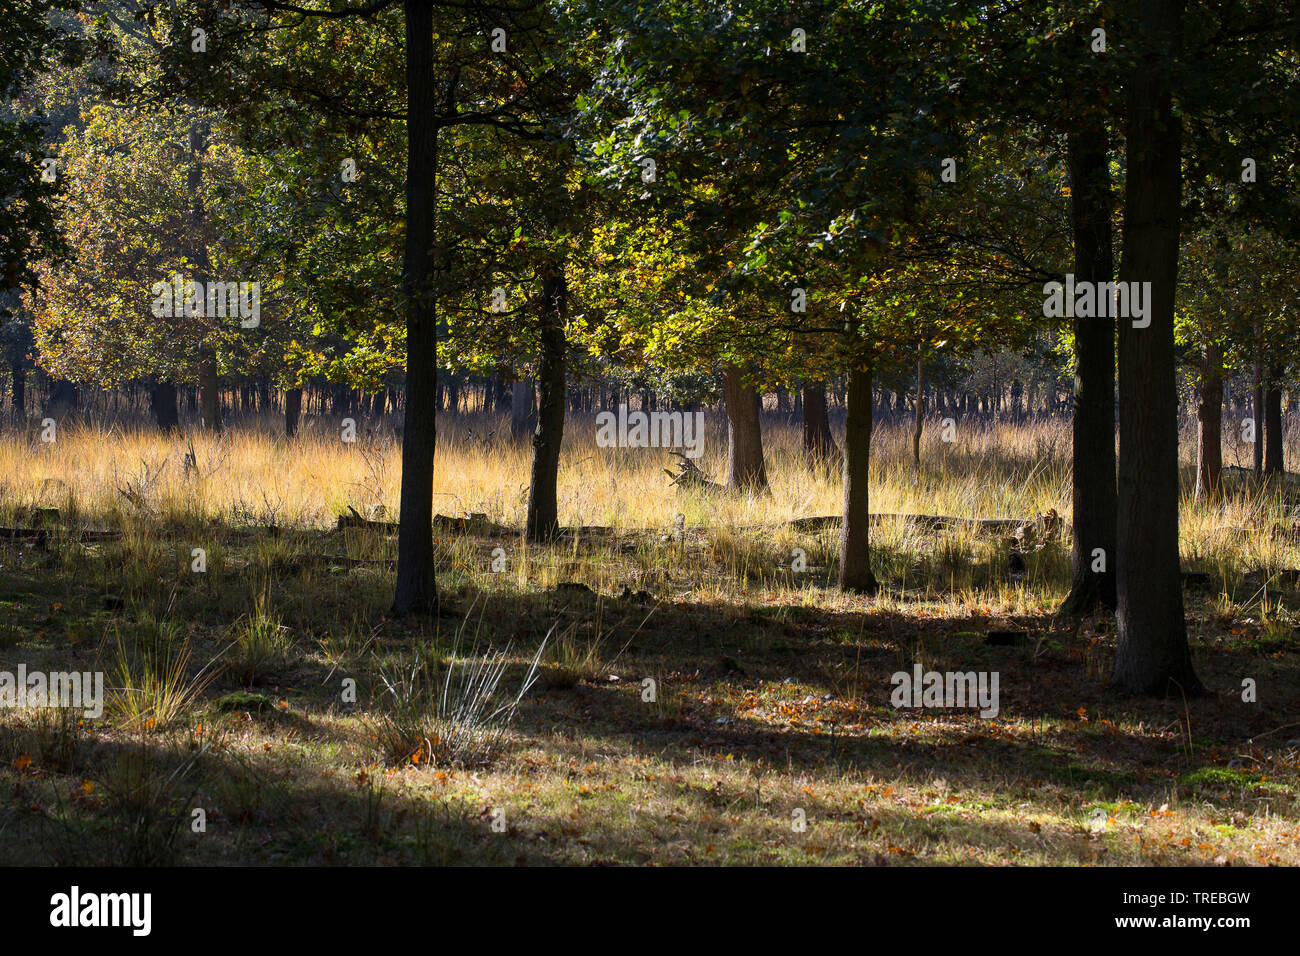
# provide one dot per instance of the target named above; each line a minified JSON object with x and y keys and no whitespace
{"x":1258,"y":413}
{"x":817,"y":439}
{"x":1209,"y":430}
{"x":1209,"y":427}
{"x":1153,"y":656}
{"x":919,"y":422}
{"x":209,"y":387}
{"x":745,"y":468}
{"x":500,"y":390}
{"x":522,"y":393}
{"x":18,"y":388}
{"x":417,"y":589}
{"x":1092,"y":555}
{"x":209,"y":390}
{"x":543,"y":508}
{"x":855,"y":530}
{"x":292,"y":411}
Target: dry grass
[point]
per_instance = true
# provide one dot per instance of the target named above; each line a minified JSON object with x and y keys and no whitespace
{"x":693,"y":705}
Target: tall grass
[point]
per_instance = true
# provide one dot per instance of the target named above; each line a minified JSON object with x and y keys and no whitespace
{"x":137,"y":477}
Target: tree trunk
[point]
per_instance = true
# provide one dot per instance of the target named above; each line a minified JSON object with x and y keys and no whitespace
{"x":745,"y":468}
{"x":292,"y":411}
{"x":521,"y":408}
{"x":543,"y":509}
{"x":855,"y":538}
{"x":209,"y":390}
{"x":1209,"y":430}
{"x":62,"y":395}
{"x":817,"y":439}
{"x":209,"y":387}
{"x":417,"y":589}
{"x":499,"y":390}
{"x":919,"y":423}
{"x":162,"y":401}
{"x":1273,"y":455}
{"x":1153,"y":656}
{"x":18,"y":393}
{"x":1093,"y":457}
{"x":1258,"y":413}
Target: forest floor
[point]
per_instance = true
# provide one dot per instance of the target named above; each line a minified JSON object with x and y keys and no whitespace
{"x":698,"y":700}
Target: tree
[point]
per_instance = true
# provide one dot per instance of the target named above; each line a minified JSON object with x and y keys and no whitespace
{"x":124,"y":305}
{"x":451,"y":79}
{"x":1153,"y":656}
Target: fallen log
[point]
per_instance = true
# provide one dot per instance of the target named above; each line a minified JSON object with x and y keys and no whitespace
{"x":688,"y":475}
{"x":299,"y":563}
{"x":1040,"y":528}
{"x":992,"y":526}
{"x":354,"y":520}
{"x":475,"y":524}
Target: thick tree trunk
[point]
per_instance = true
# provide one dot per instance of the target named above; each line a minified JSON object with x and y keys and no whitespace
{"x":745,"y":468}
{"x":292,"y":411}
{"x":817,"y":439}
{"x":543,"y":508}
{"x":1092,"y":555}
{"x":1153,"y":656}
{"x":855,"y":528}
{"x":1273,"y":454}
{"x":1209,"y":430}
{"x":162,"y":402}
{"x":417,"y":589}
